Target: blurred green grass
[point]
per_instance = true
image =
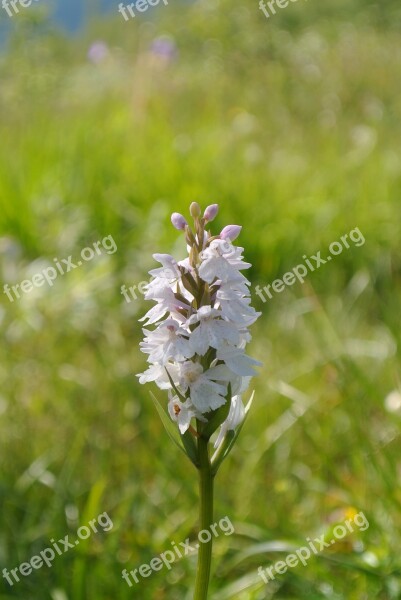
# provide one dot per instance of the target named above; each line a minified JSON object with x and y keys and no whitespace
{"x":293,"y":126}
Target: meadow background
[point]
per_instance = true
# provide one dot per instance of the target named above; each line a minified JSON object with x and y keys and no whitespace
{"x":292,"y":125}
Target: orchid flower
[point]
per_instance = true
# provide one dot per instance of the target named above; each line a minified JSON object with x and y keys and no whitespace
{"x":196,"y":350}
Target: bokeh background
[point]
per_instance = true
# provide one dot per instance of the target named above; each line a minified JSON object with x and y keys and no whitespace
{"x":293,"y":125}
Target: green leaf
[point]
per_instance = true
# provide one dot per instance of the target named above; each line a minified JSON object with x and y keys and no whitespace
{"x":190,"y":447}
{"x":229,"y":440}
{"x":184,"y":442}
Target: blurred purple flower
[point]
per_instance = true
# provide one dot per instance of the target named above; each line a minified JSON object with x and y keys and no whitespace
{"x":98,"y":52}
{"x":165,"y":47}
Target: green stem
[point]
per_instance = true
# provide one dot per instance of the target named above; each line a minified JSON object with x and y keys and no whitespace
{"x":206,"y":520}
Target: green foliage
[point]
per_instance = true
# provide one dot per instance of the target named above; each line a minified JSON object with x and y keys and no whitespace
{"x":292,"y":125}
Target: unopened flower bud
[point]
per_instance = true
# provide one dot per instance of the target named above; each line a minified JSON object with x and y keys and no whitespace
{"x":195,"y":210}
{"x":210,"y":212}
{"x":178,"y":221}
{"x":230,"y":232}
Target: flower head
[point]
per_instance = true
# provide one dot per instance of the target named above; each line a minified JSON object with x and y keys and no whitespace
{"x":196,"y":349}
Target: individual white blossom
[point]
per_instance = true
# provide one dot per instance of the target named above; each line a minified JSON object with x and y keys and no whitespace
{"x":236,"y":360}
{"x":157,"y":373}
{"x":212,"y":330}
{"x":169,"y":340}
{"x":182,"y":413}
{"x":222,"y":261}
{"x":207,"y":389}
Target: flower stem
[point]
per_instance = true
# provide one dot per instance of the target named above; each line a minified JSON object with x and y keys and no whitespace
{"x":206,"y":520}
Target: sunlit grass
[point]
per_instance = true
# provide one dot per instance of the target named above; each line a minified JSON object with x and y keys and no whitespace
{"x":293,"y":127}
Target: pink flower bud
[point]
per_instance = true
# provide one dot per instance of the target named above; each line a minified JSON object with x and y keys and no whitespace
{"x":178,"y":221}
{"x":230,"y":232}
{"x":210,"y":212}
